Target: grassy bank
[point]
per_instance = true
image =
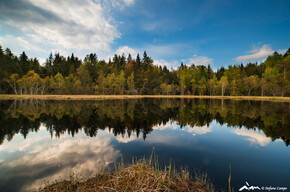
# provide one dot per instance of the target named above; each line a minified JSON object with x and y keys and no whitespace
{"x":100,"y":97}
{"x":139,"y":176}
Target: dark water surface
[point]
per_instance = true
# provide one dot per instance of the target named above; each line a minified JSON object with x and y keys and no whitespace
{"x":41,"y":141}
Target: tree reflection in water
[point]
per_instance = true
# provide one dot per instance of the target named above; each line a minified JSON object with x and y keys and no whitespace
{"x":139,"y":116}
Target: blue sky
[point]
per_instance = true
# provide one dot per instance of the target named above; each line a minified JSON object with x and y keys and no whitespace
{"x":215,"y":32}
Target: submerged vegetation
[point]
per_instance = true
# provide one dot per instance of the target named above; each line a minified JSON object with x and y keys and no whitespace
{"x":141,"y":175}
{"x":139,"y":76}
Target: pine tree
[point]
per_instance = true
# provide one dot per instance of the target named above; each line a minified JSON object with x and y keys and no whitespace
{"x":129,"y":59}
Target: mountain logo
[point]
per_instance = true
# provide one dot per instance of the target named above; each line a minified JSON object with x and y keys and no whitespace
{"x":249,"y":188}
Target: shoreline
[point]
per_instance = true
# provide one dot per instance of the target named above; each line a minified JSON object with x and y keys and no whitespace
{"x":102,"y":97}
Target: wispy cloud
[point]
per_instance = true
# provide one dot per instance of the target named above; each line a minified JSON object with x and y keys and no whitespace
{"x":163,"y":50}
{"x":168,"y":64}
{"x":121,"y":4}
{"x":150,"y":26}
{"x":257,"y":54}
{"x":198,"y":60}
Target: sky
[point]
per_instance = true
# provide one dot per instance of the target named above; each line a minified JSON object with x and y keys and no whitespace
{"x":215,"y":32}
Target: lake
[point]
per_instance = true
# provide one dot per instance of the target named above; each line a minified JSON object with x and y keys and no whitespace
{"x":41,"y":141}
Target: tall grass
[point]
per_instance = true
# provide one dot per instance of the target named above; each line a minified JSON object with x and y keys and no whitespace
{"x":140,"y":175}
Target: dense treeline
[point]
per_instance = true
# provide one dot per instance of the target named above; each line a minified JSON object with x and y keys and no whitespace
{"x":124,"y":117}
{"x":127,"y":75}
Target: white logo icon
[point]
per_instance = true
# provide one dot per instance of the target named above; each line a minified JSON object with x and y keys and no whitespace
{"x":249,"y":188}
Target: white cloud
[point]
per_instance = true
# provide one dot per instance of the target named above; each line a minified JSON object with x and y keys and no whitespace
{"x":194,"y":130}
{"x":253,"y":136}
{"x":126,"y":138}
{"x":75,"y":26}
{"x":168,"y":125}
{"x":171,"y":133}
{"x":282,"y":51}
{"x":79,"y":155}
{"x":126,"y":50}
{"x":162,"y":62}
{"x":84,"y":25}
{"x":18,"y":44}
{"x":197,"y":130}
{"x":257,"y":54}
{"x":41,"y":61}
{"x":159,"y":52}
{"x":198,"y":60}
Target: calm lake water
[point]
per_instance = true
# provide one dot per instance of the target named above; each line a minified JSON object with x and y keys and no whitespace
{"x":41,"y":141}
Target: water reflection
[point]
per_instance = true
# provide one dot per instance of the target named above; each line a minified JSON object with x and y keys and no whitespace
{"x":254,"y":136}
{"x":46,"y":140}
{"x":39,"y":159}
{"x":140,"y":117}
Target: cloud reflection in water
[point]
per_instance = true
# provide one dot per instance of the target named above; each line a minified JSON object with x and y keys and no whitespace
{"x":44,"y":159}
{"x":254,"y":136}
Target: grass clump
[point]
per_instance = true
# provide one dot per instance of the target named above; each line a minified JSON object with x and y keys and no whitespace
{"x":141,"y":175}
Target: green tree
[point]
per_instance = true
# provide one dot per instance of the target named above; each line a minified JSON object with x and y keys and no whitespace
{"x":13,"y":81}
{"x":271,"y":79}
{"x":44,"y":85}
{"x":213,"y":85}
{"x":131,"y":83}
{"x":121,"y":82}
{"x":33,"y":82}
{"x":146,"y":60}
{"x":202,"y":86}
{"x":129,"y":59}
{"x":49,"y":65}
{"x":101,"y":84}
{"x":251,"y":83}
{"x":90,"y":64}
{"x":23,"y":64}
{"x":186,"y":76}
{"x":58,"y":81}
{"x":223,"y":84}
{"x":84,"y":76}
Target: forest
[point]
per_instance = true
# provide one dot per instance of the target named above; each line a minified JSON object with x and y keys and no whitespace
{"x":123,"y":74}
